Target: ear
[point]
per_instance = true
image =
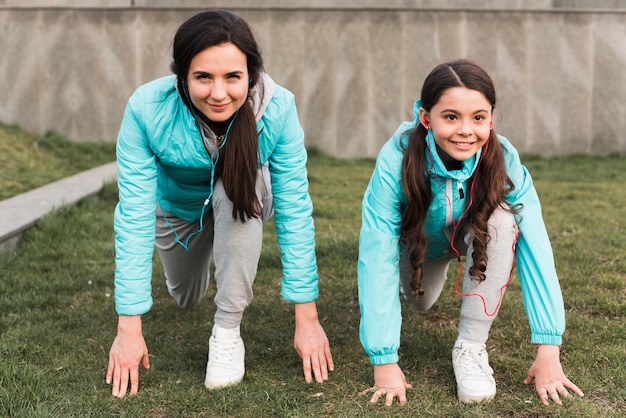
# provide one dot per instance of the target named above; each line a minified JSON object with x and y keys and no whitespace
{"x":424,"y":118}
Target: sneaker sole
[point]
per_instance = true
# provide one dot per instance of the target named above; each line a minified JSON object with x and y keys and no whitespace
{"x":469,"y":399}
{"x":219,"y":385}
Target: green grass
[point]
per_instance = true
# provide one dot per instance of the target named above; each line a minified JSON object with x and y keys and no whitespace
{"x":57,"y":318}
{"x":29,"y":161}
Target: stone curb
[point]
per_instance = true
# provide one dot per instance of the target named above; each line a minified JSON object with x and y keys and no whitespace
{"x":20,"y":212}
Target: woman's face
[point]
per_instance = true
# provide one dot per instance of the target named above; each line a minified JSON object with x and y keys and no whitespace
{"x":461,"y":122}
{"x":218,"y":81}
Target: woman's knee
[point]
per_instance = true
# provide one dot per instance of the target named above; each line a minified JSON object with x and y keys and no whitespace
{"x":187,"y":295}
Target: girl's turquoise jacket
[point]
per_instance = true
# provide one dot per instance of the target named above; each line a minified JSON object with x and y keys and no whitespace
{"x":162,"y":159}
{"x":379,"y":249}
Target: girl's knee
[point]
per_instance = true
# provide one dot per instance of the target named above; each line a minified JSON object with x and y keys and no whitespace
{"x":502,"y":217}
{"x":423,"y":304}
{"x":503,"y":222}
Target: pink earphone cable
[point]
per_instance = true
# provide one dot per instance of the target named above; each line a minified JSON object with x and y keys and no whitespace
{"x":455,"y":226}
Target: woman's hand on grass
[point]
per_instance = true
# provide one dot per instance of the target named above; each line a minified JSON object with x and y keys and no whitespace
{"x":128,"y":350}
{"x":311,"y":343}
{"x":550,"y":380}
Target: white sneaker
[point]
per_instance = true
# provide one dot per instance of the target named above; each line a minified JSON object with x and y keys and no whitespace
{"x":474,"y":376}
{"x":226,"y":359}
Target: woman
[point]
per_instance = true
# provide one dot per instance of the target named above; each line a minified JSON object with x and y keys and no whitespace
{"x":205,"y":157}
{"x":445,"y":185}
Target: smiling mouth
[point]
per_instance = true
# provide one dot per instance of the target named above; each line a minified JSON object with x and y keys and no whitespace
{"x":463,"y":144}
{"x":220,"y":104}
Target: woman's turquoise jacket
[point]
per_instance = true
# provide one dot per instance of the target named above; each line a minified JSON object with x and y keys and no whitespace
{"x":379,"y":250}
{"x":161,"y":158}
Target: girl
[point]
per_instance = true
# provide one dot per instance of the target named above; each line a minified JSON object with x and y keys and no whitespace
{"x":445,"y":185}
{"x":204,"y":158}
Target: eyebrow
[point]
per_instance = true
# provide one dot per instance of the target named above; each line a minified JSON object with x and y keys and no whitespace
{"x":457,"y":112}
{"x":200,"y":72}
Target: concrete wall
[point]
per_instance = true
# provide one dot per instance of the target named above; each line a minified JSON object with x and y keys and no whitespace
{"x":356,"y":66}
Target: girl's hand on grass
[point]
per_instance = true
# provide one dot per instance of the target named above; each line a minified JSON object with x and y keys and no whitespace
{"x":311,"y":343}
{"x":547,"y":373}
{"x":389,"y":381}
{"x":128,"y":350}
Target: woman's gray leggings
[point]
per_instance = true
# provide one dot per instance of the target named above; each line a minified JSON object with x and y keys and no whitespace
{"x":234,"y":245}
{"x":477,"y":314}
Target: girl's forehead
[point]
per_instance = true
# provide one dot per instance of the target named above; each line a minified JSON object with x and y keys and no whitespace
{"x":463,"y":99}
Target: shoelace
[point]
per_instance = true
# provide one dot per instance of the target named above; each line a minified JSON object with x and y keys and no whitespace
{"x":224,"y":351}
{"x":473,"y":362}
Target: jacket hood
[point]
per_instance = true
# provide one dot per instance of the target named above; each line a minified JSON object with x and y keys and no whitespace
{"x":261,"y":94}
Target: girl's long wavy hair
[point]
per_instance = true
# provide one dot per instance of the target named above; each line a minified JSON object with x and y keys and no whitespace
{"x":490,"y":181}
{"x":238,"y":161}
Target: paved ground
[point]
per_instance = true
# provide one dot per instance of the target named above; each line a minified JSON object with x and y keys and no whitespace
{"x":22,"y":211}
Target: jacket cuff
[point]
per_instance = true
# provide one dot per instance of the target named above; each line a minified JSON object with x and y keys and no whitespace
{"x":133,"y":309}
{"x":384,"y":359}
{"x":538,"y":339}
{"x":300,"y":297}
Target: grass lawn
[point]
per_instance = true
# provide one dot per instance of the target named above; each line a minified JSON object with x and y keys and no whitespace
{"x":57,"y":318}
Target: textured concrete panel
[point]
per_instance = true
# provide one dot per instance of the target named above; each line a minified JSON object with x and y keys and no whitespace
{"x":353,"y":4}
{"x":508,"y":66}
{"x":67,"y":3}
{"x":20,"y":80}
{"x":544,"y":88}
{"x":608,"y":109}
{"x":385,"y":81}
{"x":331,"y":4}
{"x":576,"y":83}
{"x":590,"y":4}
{"x":560,"y":75}
{"x":318,"y":95}
{"x":72,"y":62}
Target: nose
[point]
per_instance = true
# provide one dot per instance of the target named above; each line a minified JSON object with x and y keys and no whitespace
{"x":218,"y":90}
{"x":465,"y":129}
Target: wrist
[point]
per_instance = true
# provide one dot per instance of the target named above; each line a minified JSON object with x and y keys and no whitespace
{"x":306,"y":311}
{"x":384,"y":366}
{"x":129,"y":324}
{"x":548,"y":351}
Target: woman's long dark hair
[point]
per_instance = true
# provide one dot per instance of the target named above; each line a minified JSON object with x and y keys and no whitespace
{"x":490,"y":181}
{"x":238,"y":162}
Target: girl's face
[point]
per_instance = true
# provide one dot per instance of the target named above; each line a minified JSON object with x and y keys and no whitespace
{"x":218,"y":81}
{"x":460,"y":121}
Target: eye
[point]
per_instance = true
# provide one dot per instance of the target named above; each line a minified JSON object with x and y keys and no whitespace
{"x":450,"y":117}
{"x":233,"y":78}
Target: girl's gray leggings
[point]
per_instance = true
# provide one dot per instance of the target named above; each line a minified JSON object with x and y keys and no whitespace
{"x":480,"y":307}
